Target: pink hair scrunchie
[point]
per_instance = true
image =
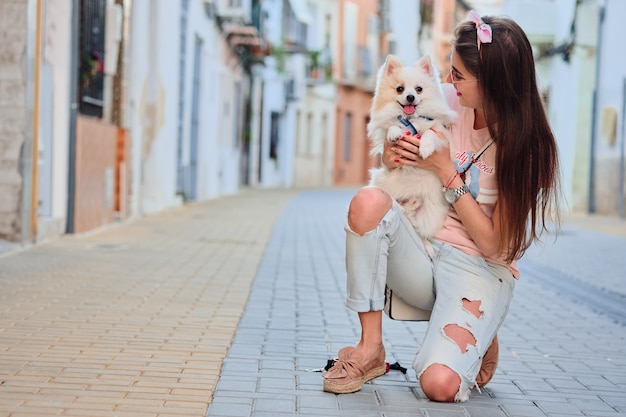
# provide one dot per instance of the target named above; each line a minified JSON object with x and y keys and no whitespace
{"x":483,"y":30}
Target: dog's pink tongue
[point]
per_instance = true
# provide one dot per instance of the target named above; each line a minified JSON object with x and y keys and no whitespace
{"x":409,"y":109}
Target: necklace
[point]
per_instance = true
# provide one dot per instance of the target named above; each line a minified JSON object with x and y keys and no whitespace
{"x":475,"y":158}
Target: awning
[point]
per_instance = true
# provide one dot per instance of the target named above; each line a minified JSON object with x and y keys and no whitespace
{"x":301,"y":10}
{"x":240,"y":30}
{"x":244,"y":40}
{"x":242,"y":35}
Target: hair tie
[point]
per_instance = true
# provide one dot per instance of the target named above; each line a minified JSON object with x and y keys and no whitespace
{"x":483,"y":30}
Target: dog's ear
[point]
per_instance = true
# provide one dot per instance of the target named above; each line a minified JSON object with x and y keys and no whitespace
{"x":391,"y":63}
{"x":425,"y":64}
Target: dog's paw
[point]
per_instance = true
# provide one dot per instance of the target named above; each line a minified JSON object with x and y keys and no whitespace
{"x":394,"y":133}
{"x":429,"y":143}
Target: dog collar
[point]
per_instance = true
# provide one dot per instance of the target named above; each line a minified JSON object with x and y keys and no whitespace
{"x":407,"y":123}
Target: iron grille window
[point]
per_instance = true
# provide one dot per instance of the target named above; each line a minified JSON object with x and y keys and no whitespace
{"x":91,"y":57}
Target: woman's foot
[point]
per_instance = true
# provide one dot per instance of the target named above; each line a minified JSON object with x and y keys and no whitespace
{"x":489,"y":365}
{"x":352,"y":369}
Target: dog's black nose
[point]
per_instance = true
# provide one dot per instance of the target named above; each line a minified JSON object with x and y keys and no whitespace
{"x":410,"y":98}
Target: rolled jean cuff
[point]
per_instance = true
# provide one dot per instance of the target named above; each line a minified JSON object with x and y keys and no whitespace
{"x":363,"y":306}
{"x":366,"y":264}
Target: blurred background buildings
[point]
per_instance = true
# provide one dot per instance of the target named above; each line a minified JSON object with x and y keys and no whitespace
{"x":112,"y":109}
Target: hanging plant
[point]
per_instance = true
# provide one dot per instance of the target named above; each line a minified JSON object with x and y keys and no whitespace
{"x":314,"y":64}
{"x":92,"y":65}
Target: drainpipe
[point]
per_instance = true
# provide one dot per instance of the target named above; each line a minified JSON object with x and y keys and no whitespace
{"x":34,"y":192}
{"x":30,"y":151}
{"x":622,"y":163}
{"x":71,"y":177}
{"x":591,"y":201}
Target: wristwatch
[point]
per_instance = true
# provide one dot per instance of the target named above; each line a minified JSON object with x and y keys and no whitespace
{"x":453,"y":194}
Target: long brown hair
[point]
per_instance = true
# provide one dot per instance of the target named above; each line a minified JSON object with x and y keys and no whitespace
{"x":527,"y":167}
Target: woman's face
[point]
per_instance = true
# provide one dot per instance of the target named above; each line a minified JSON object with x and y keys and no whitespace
{"x":465,"y":84}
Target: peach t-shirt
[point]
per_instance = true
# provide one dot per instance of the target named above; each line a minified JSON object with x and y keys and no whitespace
{"x":480,"y":178}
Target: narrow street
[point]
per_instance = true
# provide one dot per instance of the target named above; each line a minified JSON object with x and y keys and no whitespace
{"x":223,"y":308}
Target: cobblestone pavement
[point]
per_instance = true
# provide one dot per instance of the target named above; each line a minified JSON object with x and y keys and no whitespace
{"x":558,"y":357}
{"x":223,"y":308}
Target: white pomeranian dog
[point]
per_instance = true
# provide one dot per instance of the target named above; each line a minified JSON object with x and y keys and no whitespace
{"x":411,"y":97}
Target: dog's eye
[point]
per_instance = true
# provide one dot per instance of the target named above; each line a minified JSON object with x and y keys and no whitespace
{"x":400,"y":89}
{"x":419,"y":89}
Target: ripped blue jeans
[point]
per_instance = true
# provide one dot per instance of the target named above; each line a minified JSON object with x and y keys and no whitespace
{"x":393,"y":254}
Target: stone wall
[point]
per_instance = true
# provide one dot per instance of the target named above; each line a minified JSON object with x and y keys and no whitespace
{"x":14,"y":113}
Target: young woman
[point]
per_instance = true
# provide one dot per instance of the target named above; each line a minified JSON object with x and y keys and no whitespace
{"x":502,"y":187}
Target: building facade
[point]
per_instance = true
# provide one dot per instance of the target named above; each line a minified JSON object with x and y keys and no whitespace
{"x":358,"y":59}
{"x":116,"y":108}
{"x":111,"y":109}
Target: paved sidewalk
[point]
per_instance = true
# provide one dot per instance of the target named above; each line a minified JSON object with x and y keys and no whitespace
{"x":232,"y":302}
{"x":558,"y":358}
{"x":134,"y":320}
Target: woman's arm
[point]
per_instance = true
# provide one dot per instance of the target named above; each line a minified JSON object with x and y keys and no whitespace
{"x":484,"y":231}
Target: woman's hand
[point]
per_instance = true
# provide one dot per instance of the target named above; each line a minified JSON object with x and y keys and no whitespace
{"x":402,"y":152}
{"x":389,"y":158}
{"x":406,"y":151}
{"x":484,"y":230}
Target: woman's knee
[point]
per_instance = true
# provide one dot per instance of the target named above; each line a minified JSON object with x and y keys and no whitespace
{"x":367,"y":208}
{"x":440,"y":383}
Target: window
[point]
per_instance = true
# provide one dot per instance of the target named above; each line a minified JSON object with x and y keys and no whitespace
{"x":294,"y":26}
{"x":91,"y":57}
{"x":274,"y":135}
{"x":347,"y":134}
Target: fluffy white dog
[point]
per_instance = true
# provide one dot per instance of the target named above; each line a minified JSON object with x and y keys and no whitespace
{"x":411,"y":97}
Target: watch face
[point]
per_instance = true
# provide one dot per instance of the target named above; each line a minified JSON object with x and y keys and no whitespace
{"x":453,"y":194}
{"x":450,"y":195}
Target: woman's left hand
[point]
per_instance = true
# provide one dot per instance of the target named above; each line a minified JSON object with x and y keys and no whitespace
{"x":407,"y":148}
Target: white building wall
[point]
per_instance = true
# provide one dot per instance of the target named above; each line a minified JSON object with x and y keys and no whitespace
{"x":199,"y":26}
{"x":609,"y":149}
{"x":279,"y":172}
{"x":273,"y":101}
{"x":209,"y":171}
{"x":274,"y":11}
{"x":55,"y":118}
{"x":255,"y":125}
{"x":153,"y":90}
{"x":231,"y":113}
{"x":155,"y":85}
{"x":591,"y":162}
{"x":405,"y":29}
{"x":569,"y":85}
{"x":315,"y":145}
{"x":315,"y":122}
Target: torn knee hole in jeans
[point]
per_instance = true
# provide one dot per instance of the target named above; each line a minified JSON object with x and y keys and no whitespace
{"x":473,"y":307}
{"x":462,"y":336}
